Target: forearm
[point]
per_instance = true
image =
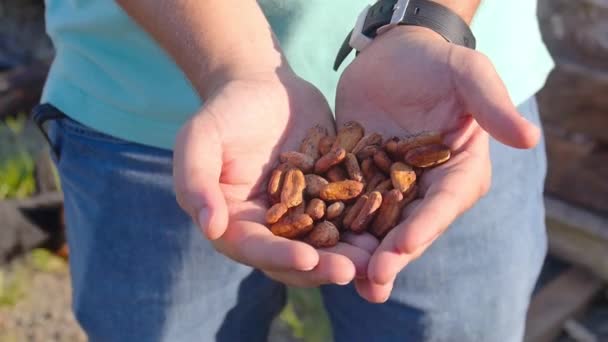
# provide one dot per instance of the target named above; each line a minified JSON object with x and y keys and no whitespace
{"x":213,"y":41}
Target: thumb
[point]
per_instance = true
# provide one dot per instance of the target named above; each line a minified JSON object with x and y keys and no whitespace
{"x":197,"y":167}
{"x":485,"y":96}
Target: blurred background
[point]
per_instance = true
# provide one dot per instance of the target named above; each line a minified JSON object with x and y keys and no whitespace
{"x":571,"y":298}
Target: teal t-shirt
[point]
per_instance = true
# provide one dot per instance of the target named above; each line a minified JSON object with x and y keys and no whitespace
{"x":109,"y":74}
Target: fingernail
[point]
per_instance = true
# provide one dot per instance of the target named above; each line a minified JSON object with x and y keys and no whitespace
{"x":342,"y":283}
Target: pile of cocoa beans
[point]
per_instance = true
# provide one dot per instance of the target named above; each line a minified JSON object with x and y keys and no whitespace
{"x":348,"y":182}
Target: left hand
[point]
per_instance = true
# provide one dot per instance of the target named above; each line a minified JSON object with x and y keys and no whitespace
{"x":409,"y":80}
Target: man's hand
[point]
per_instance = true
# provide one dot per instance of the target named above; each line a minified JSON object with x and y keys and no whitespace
{"x":409,"y":80}
{"x":255,"y":107}
{"x":223,"y":157}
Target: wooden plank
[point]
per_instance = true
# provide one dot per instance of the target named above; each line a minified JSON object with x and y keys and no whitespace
{"x":578,"y":236}
{"x":578,"y":332}
{"x":565,"y":297}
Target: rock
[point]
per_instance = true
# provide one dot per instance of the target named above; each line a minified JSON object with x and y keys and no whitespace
{"x":574,"y":98}
{"x":578,"y":169}
{"x":28,"y":223}
{"x":576,"y":30}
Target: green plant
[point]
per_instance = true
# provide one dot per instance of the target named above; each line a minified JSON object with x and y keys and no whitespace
{"x":16,"y":124}
{"x":45,"y":261}
{"x":12,"y":286}
{"x":18,"y":142}
{"x":305,"y":315}
{"x":17,"y":176}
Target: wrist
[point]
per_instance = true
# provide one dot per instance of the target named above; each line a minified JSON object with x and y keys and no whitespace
{"x":386,"y":15}
{"x":464,"y":9}
{"x":248,"y":71}
{"x":223,"y":78}
{"x":413,"y":33}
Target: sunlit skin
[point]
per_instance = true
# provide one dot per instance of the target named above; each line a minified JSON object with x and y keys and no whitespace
{"x":223,"y":157}
{"x":255,"y":107}
{"x":409,"y":80}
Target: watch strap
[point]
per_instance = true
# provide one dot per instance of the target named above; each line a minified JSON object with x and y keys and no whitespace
{"x":424,"y":13}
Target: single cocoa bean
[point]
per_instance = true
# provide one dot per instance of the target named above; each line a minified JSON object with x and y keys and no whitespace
{"x":390,"y":146}
{"x":388,"y":214}
{"x":428,"y":156}
{"x":316,"y":209}
{"x":382,"y":161}
{"x":310,"y":144}
{"x":341,"y":191}
{"x":348,"y":136}
{"x":352,"y":167}
{"x":367,"y":152}
{"x":275,"y":183}
{"x":367,"y":212}
{"x":275,"y":213}
{"x":353,"y":211}
{"x":314,"y":183}
{"x":324,"y":234}
{"x":368,"y":169}
{"x":376,"y":180}
{"x":402,"y":176}
{"x":293,"y":188}
{"x":298,"y":160}
{"x":326,"y":143}
{"x":334,"y":210}
{"x":369,"y":139}
{"x":293,"y":226}
{"x":417,"y":140}
{"x":334,"y":157}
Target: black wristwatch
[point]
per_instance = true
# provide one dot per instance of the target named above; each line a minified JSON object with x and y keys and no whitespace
{"x":386,"y":14}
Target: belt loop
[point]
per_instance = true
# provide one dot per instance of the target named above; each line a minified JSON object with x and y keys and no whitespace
{"x":43,"y":113}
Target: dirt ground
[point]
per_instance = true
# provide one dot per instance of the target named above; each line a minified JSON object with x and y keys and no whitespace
{"x":35,"y":307}
{"x":35,"y":301}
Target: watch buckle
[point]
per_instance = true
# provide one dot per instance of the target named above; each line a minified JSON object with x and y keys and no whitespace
{"x":398,"y":15}
{"x":358,"y":40}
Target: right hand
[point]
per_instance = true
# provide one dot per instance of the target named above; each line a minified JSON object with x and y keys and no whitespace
{"x":222,"y":160}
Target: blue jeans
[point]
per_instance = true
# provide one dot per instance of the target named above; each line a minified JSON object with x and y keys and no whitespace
{"x":141,"y":270}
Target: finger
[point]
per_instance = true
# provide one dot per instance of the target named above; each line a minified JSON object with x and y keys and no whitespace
{"x":386,"y":263}
{"x":485,"y":96}
{"x":252,"y":244}
{"x":424,"y":221}
{"x":332,"y":269}
{"x":197,"y":169}
{"x":358,"y":256}
{"x":364,"y":241}
{"x":448,"y":191}
{"x":441,"y":205}
{"x":372,"y":292}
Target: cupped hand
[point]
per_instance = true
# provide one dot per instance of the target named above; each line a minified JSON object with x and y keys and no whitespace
{"x":222,"y":159}
{"x":410,"y":80}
